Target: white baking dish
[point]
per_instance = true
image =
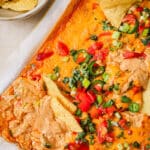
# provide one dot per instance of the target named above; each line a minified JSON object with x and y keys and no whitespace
{"x":12,"y":65}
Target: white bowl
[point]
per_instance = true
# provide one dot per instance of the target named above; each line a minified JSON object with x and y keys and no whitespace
{"x":13,"y":15}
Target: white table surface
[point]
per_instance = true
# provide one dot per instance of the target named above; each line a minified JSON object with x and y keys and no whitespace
{"x":12,"y":33}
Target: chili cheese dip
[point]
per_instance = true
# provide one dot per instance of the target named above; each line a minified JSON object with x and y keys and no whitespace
{"x":100,"y":71}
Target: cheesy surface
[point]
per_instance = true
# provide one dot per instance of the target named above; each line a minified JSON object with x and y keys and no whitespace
{"x":108,"y":110}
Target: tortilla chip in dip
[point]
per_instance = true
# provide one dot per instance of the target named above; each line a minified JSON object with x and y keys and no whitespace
{"x":115,"y":10}
{"x":146,"y":100}
{"x":20,"y":5}
{"x":65,"y":116}
{"x":55,"y":92}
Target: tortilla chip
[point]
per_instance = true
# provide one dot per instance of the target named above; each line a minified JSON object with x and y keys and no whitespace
{"x":20,"y":5}
{"x":146,"y":100}
{"x":55,"y":92}
{"x":115,"y":10}
{"x":65,"y":116}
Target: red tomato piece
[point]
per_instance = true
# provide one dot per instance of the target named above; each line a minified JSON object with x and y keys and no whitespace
{"x":101,"y":54}
{"x":95,"y":5}
{"x":109,"y":137}
{"x":105,"y":34}
{"x":75,"y":146}
{"x":102,"y":111}
{"x":141,"y":28}
{"x":36,"y":77}
{"x":96,"y":46}
{"x":122,"y":123}
{"x":44,"y":55}
{"x":84,"y":106}
{"x":86,"y":98}
{"x":92,"y":96}
{"x":130,"y":18}
{"x":139,"y":9}
{"x":136,"y":89}
{"x":129,"y":55}
{"x":110,"y":110}
{"x":63,"y":50}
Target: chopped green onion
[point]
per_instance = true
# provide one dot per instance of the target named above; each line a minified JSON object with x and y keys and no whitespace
{"x":148,"y":147}
{"x":114,"y":123}
{"x":86,"y":83}
{"x":91,"y":127}
{"x":117,"y":114}
{"x":108,"y":103}
{"x":136,"y":144}
{"x":125,"y":99}
{"x":116,"y":87}
{"x":146,"y":41}
{"x":134,"y":107}
{"x":78,"y":112}
{"x":116,"y":35}
{"x":120,"y":146}
{"x":105,"y":77}
{"x":80,"y":136}
{"x":117,"y":44}
{"x":120,"y":135}
{"x":126,"y":146}
{"x":53,"y":77}
{"x":66,"y":80}
{"x":94,"y":37}
{"x":145,"y":32}
{"x":96,"y":70}
{"x":99,"y":99}
{"x":124,"y":28}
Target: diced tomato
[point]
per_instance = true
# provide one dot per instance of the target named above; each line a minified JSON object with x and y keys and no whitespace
{"x":92,"y":96}
{"x":136,"y":89}
{"x":44,"y":55}
{"x":75,"y":146}
{"x":129,"y":55}
{"x":101,"y":55}
{"x":78,"y":119}
{"x":36,"y":77}
{"x":102,"y":132}
{"x":141,"y":28}
{"x":130,"y":18}
{"x":102,"y":111}
{"x":122,"y":123}
{"x":96,"y":46}
{"x":63,"y":50}
{"x":105,"y":34}
{"x":110,"y":110}
{"x":139,"y":9}
{"x":84,"y":106}
{"x":86,"y":99}
{"x":98,"y":87}
{"x":109,"y":137}
{"x":95,"y":5}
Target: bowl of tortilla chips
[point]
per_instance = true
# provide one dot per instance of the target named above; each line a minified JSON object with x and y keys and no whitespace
{"x":19,"y":9}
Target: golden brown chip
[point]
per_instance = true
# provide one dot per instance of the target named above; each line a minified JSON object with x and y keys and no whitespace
{"x":115,"y":10}
{"x":20,"y":5}
{"x":146,"y":100}
{"x":65,"y":116}
{"x":55,"y":92}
